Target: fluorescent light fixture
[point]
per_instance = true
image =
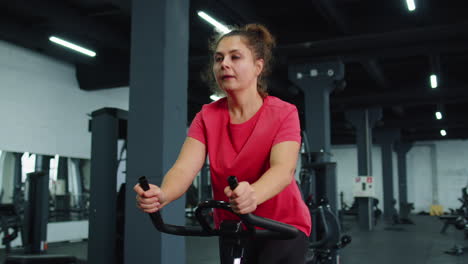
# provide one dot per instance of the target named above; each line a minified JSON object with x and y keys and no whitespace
{"x":237,"y":261}
{"x":214,"y":97}
{"x":438,"y":115}
{"x":218,"y":26}
{"x":72,"y":46}
{"x":433,"y":81}
{"x":411,"y":5}
{"x":443,"y":132}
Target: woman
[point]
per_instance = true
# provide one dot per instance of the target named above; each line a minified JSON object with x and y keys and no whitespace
{"x":250,"y":135}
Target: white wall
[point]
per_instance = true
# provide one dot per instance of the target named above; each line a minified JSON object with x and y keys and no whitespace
{"x":451,"y":171}
{"x":347,"y":170}
{"x":42,"y":109}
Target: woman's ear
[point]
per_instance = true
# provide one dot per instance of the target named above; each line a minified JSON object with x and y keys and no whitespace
{"x":259,"y":66}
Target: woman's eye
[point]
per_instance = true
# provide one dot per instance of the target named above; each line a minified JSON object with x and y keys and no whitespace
{"x":218,"y":59}
{"x":235,"y":57}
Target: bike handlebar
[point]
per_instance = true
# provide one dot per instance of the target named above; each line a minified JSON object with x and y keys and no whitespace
{"x":273,"y":229}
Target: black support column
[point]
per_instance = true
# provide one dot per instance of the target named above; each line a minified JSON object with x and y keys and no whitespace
{"x":386,"y":138}
{"x":17,"y":181}
{"x":363,"y":121}
{"x":157,"y":122}
{"x":37,"y":206}
{"x":402,"y":149}
{"x":62,"y":195}
{"x":102,"y":247}
{"x":204,"y":187}
{"x":317,"y":81}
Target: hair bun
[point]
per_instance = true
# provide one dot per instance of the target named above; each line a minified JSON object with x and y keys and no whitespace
{"x":262,"y":32}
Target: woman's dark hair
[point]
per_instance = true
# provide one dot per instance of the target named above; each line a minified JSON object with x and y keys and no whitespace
{"x":259,"y":40}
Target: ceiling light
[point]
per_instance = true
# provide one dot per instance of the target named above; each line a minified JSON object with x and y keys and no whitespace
{"x":443,"y":132}
{"x":72,"y":46}
{"x":218,"y":26}
{"x":214,"y":97}
{"x":438,"y":115}
{"x":433,"y":81}
{"x":411,"y":5}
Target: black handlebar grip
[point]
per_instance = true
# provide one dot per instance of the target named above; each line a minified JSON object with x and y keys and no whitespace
{"x":143,"y":183}
{"x":232,"y":180}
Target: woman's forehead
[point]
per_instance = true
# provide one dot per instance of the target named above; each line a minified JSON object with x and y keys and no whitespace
{"x":228,"y":44}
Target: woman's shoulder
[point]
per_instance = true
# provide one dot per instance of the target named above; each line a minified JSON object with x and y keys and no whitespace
{"x":215,"y":106}
{"x":276,"y":104}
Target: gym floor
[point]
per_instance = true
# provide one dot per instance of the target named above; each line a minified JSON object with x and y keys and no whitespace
{"x":421,"y":243}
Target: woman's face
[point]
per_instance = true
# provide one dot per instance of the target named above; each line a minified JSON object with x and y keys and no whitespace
{"x":235,"y":67}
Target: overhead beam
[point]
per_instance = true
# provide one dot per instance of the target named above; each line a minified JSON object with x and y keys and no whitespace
{"x":404,"y":97}
{"x":404,"y":43}
{"x":334,"y":17}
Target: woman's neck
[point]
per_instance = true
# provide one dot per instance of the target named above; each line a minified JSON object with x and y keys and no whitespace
{"x":243,"y":105}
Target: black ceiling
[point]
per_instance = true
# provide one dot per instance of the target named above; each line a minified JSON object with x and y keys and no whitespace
{"x":388,"y":52}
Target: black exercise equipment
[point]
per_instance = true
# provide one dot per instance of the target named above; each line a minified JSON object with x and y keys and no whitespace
{"x":326,"y":249}
{"x":459,"y":219}
{"x":354,"y":210}
{"x":35,"y":225}
{"x":405,"y":210}
{"x":232,"y":235}
{"x":10,"y":224}
{"x":318,"y":187}
{"x":402,"y":217}
{"x":318,"y":180}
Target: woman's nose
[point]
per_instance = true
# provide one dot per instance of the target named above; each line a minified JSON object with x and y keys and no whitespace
{"x":224,"y":64}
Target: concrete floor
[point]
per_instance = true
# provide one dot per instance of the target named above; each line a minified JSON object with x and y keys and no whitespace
{"x":421,"y":243}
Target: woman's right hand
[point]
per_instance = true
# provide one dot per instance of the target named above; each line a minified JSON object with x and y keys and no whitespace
{"x":150,"y":201}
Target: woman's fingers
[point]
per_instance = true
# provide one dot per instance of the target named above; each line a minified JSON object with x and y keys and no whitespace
{"x":243,"y":199}
{"x":149,"y":201}
{"x":143,"y":200}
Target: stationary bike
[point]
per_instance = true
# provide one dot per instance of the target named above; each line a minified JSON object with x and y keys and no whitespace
{"x":326,"y":249}
{"x":234,"y":234}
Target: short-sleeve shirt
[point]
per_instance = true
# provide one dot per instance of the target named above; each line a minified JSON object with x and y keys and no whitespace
{"x":243,"y":150}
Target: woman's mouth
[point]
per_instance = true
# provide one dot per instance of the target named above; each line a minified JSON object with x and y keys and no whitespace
{"x":226,"y":77}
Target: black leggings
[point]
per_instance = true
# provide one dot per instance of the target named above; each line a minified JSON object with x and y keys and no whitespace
{"x":260,"y":251}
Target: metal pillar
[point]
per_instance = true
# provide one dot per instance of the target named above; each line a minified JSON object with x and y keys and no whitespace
{"x":105,"y":127}
{"x":317,"y":81}
{"x":363,"y":121}
{"x":402,"y":149}
{"x":204,"y":188}
{"x":18,"y":171}
{"x":76,"y":179}
{"x":37,"y":206}
{"x":62,"y":195}
{"x":157,"y":121}
{"x":386,"y":138}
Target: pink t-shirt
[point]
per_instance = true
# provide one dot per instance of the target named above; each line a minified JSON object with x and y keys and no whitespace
{"x":243,"y":150}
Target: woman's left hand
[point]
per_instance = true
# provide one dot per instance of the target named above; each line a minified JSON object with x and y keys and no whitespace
{"x":243,"y":199}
